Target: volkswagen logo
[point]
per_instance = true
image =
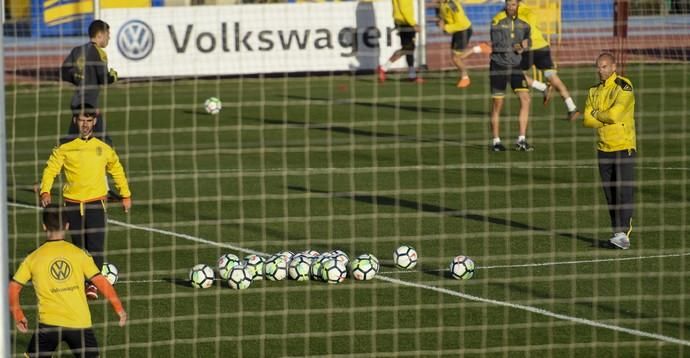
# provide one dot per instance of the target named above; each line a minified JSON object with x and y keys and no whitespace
{"x":60,"y":269}
{"x":135,"y":40}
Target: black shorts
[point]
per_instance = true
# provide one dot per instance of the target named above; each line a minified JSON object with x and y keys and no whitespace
{"x":460,"y":40}
{"x":499,"y":77}
{"x":82,"y":342}
{"x":540,"y":58}
{"x":407,"y":34}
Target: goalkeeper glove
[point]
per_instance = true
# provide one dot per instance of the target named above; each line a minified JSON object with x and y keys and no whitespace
{"x":113,"y":74}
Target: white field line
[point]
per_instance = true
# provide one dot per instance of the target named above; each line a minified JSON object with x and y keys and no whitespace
{"x":551,"y":263}
{"x":427,"y":287}
{"x":539,"y":311}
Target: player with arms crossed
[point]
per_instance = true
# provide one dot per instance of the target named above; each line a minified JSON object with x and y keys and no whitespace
{"x":85,"y":160}
{"x":610,"y":108}
{"x":403,"y":16}
{"x":452,"y":20}
{"x":539,"y":55}
{"x":57,"y":270}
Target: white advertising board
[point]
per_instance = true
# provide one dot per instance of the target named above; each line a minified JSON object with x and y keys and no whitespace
{"x":249,"y":39}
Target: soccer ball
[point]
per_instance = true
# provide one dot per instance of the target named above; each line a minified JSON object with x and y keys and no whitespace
{"x":287,"y":255}
{"x":374,"y":261}
{"x":212,"y":105}
{"x":225,"y":263}
{"x":405,"y":257}
{"x":239,"y":277}
{"x":201,"y":276}
{"x":340,"y":255}
{"x":315,"y":268}
{"x":362,"y":269}
{"x":299,"y":267}
{"x":110,"y":272}
{"x":275,"y":268}
{"x":255,"y":266}
{"x":462,"y":268}
{"x":310,"y":253}
{"x":333,"y":270}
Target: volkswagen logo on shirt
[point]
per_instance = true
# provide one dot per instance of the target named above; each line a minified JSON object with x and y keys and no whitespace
{"x":135,"y":40}
{"x":60,"y":269}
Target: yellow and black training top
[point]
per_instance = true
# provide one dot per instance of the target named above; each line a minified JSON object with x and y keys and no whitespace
{"x":85,"y":163}
{"x":610,"y":108}
{"x":57,"y":270}
{"x":454,"y":17}
{"x":537,"y":39}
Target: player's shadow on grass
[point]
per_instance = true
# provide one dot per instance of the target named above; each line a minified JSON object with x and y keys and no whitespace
{"x":354,"y":131}
{"x":430,"y":208}
{"x":377,"y":104}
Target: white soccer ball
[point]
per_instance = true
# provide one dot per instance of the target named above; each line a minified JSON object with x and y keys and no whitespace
{"x":201,"y":276}
{"x":315,"y":268}
{"x":110,"y":272}
{"x":225,"y":263}
{"x":362,"y":269}
{"x":405,"y":257}
{"x":333,"y":270}
{"x":275,"y":268}
{"x":239,"y":278}
{"x":255,"y":266}
{"x":299,"y":267}
{"x":212,"y":105}
{"x":374,"y":260}
{"x":462,"y":268}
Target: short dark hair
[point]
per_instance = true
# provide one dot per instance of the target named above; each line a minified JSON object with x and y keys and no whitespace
{"x":53,"y":218}
{"x":85,"y":109}
{"x":607,"y":55}
{"x":98,"y":26}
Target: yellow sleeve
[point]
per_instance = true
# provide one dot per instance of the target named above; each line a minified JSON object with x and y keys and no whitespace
{"x":23,"y":274}
{"x":588,"y":120}
{"x":115,"y":169}
{"x":88,"y":266}
{"x":624,"y":100}
{"x":52,"y":169}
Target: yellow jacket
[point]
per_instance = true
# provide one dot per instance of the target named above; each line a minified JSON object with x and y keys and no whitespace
{"x":85,"y":162}
{"x":528,"y":15}
{"x":403,"y":12}
{"x":454,"y":17}
{"x":610,"y":108}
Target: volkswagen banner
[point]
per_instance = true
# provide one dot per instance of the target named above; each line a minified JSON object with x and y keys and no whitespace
{"x":250,"y":39}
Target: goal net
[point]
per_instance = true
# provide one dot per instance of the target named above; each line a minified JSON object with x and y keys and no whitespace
{"x":311,"y":150}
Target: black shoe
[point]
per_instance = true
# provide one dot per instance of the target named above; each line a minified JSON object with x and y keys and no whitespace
{"x":498,"y":147}
{"x":523,"y":146}
{"x":573,"y":115}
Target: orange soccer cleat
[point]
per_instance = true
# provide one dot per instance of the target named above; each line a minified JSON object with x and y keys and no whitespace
{"x":464,"y":82}
{"x":381,"y":74}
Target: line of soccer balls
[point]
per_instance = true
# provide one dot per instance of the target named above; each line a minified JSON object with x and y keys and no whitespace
{"x":332,"y":267}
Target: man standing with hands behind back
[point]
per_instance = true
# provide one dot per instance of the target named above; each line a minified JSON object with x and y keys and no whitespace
{"x":610,"y":108}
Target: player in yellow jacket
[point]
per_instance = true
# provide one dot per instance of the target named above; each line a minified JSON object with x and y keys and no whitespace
{"x":453,"y":20}
{"x":539,"y":55}
{"x":610,"y":108}
{"x":57,"y":270}
{"x":85,"y":159}
{"x":405,"y":22}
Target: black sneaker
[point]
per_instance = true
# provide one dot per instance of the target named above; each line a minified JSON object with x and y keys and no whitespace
{"x":523,"y":146}
{"x":498,"y":147}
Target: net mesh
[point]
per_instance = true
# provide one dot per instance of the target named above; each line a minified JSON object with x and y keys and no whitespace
{"x":328,"y":159}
